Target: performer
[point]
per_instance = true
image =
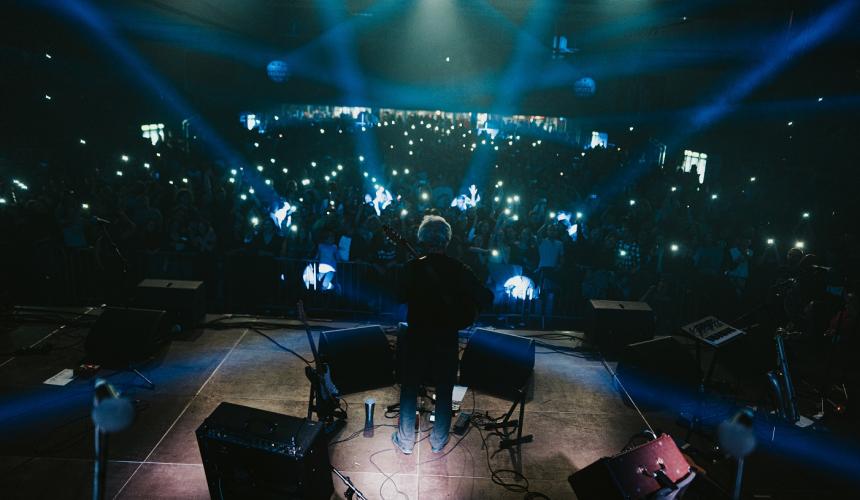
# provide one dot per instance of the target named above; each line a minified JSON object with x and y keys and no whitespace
{"x":442,"y":296}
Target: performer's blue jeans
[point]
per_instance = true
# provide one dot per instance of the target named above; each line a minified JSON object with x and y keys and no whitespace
{"x":405,"y":435}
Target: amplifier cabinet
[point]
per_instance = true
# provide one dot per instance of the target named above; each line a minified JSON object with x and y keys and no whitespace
{"x":251,"y":453}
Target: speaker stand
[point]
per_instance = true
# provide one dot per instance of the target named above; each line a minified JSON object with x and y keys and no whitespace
{"x":506,"y":422}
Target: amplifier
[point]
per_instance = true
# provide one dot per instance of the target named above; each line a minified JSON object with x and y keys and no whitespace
{"x":184,"y":301}
{"x":251,"y":453}
{"x":612,"y":324}
{"x":635,"y":473}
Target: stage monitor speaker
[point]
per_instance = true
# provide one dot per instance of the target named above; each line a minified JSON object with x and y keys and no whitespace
{"x":497,"y":363}
{"x":612,"y":324}
{"x":251,"y":453}
{"x":121,"y":336}
{"x":630,"y":474}
{"x":184,"y":301}
{"x":659,"y":373}
{"x":359,"y":358}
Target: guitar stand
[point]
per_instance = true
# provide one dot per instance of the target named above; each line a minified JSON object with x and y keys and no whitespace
{"x":332,"y":421}
{"x":506,"y":422}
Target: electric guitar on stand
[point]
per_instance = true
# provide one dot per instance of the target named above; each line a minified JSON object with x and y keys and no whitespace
{"x":323,"y":398}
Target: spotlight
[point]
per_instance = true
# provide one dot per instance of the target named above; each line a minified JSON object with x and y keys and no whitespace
{"x":322,"y":131}
{"x":404,"y":213}
{"x":119,"y":173}
{"x":365,"y":174}
{"x":339,"y":167}
{"x":82,"y":141}
{"x":84,"y":206}
{"x":294,"y":228}
{"x":631,"y":128}
{"x":495,"y":253}
{"x":47,"y":97}
{"x":578,"y":215}
{"x":770,"y":241}
{"x":185,"y":180}
{"x":232,"y":180}
{"x":255,"y":221}
{"x":673,"y":188}
{"x":271,"y":160}
{"x":146,"y":165}
{"x":674,"y":247}
{"x":790,"y":123}
{"x":2,"y":201}
{"x":305,"y":182}
{"x":314,"y":164}
{"x":285,"y":170}
{"x":820,"y":99}
{"x":360,"y":158}
{"x":232,"y":170}
{"x":552,"y":215}
{"x":752,"y":179}
{"x":259,"y":168}
{"x":798,"y":244}
{"x":268,"y":182}
{"x":448,"y":59}
{"x":632,"y":202}
{"x":406,"y":171}
{"x":242,"y":196}
{"x":251,"y":190}
{"x":805,"y":215}
{"x":256,"y":144}
{"x":425,"y":196}
{"x":124,"y":158}
{"x":714,"y":196}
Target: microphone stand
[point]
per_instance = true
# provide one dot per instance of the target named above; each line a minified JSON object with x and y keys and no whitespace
{"x":110,"y":413}
{"x":100,"y":471}
{"x":351,"y":491}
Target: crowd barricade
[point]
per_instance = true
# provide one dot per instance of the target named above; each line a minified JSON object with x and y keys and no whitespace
{"x":246,"y":283}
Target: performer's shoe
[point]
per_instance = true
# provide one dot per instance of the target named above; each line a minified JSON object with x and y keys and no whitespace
{"x":395,"y":438}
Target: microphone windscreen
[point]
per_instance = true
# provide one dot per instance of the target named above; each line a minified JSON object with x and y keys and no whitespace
{"x":113,"y":415}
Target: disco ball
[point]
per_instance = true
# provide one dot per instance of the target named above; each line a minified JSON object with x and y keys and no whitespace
{"x":585,"y":87}
{"x":277,"y":71}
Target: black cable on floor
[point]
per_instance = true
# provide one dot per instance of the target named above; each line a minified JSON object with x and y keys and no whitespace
{"x":287,"y":349}
{"x":387,"y":477}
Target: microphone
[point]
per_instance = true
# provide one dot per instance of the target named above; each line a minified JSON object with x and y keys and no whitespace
{"x":736,"y":435}
{"x":369,"y":405}
{"x":111,"y":413}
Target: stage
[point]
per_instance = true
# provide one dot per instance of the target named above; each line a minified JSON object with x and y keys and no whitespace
{"x":46,"y":442}
{"x":574,"y":414}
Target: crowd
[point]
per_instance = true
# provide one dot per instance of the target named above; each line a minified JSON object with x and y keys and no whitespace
{"x":578,"y":222}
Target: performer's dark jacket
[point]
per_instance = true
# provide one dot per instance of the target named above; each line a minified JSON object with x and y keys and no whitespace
{"x":433,"y":287}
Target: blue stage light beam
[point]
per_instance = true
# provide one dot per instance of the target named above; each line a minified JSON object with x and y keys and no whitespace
{"x":90,"y":17}
{"x":341,"y":42}
{"x":516,"y":78}
{"x":781,"y":54}
{"x":813,"y":33}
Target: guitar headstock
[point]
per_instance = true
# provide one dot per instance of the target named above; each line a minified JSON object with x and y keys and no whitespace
{"x":399,"y":240}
